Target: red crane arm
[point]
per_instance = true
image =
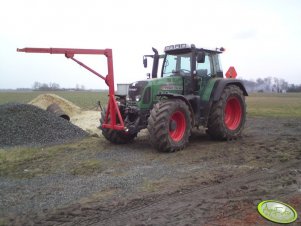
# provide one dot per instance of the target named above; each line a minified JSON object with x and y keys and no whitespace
{"x":113,"y":114}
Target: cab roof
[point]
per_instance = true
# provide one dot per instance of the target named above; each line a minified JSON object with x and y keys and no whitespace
{"x":188,"y":47}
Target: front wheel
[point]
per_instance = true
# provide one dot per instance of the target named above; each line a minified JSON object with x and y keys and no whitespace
{"x":115,"y":136}
{"x":228,"y":115}
{"x":169,"y":125}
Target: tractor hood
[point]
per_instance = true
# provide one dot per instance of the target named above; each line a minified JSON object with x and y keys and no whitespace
{"x":145,"y":92}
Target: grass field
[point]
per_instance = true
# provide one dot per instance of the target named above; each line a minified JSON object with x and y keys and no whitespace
{"x":258,"y":104}
{"x":84,"y":99}
{"x":274,"y":105}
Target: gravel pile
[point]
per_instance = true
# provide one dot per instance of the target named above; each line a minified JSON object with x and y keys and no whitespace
{"x":24,"y":124}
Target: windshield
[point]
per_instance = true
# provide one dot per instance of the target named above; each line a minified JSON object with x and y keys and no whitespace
{"x":177,"y":64}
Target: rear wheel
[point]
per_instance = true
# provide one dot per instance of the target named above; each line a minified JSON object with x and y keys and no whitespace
{"x":228,"y":114}
{"x":169,"y":125}
{"x":115,"y":136}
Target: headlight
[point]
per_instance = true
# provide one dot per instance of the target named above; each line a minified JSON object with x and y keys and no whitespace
{"x":138,"y":98}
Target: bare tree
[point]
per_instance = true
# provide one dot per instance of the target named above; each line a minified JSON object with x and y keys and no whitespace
{"x":54,"y":86}
{"x":36,"y":85}
{"x":45,"y":86}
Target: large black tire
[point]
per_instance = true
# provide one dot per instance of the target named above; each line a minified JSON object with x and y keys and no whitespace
{"x":228,"y":115}
{"x":169,"y":125}
{"x":115,"y":136}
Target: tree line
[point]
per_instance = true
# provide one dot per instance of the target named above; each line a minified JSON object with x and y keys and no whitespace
{"x":52,"y":86}
{"x":270,"y":84}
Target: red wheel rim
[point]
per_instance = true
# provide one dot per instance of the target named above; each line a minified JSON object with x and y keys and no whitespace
{"x":233,"y":113}
{"x":177,"y":126}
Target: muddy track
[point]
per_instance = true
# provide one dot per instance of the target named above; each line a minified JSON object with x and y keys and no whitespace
{"x":232,"y":202}
{"x":210,"y":204}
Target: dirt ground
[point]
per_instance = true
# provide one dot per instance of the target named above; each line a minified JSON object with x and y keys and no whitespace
{"x":208,"y":183}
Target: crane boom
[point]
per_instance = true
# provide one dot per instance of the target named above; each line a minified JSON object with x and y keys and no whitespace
{"x":113,"y":118}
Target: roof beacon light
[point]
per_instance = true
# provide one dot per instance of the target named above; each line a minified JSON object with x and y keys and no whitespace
{"x":221,"y":49}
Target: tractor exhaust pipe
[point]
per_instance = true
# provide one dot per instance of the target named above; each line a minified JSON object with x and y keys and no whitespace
{"x":55,"y":109}
{"x":155,"y":63}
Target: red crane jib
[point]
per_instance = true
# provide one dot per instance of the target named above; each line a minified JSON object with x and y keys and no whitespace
{"x":113,"y":118}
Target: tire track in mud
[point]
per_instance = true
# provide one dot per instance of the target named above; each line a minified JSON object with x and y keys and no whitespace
{"x":207,"y":204}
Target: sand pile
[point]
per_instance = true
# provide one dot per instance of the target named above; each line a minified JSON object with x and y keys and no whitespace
{"x":88,"y":121}
{"x":44,"y":100}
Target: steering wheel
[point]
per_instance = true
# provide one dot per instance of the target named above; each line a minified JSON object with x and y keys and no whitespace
{"x":184,"y":70}
{"x":181,"y":72}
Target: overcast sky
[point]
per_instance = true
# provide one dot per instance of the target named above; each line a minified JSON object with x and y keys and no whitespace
{"x":262,"y":38}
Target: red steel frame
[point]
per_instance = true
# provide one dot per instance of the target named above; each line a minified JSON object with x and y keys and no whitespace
{"x":113,"y":112}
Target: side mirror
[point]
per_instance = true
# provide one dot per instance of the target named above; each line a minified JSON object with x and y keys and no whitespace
{"x":201,"y":57}
{"x":145,"y":62}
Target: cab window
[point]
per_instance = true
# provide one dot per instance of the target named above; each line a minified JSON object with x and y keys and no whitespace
{"x":204,"y":69}
{"x":177,"y":64}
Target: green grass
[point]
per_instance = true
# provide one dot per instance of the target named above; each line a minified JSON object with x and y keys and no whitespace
{"x":29,"y":162}
{"x":84,"y":99}
{"x":17,"y":162}
{"x":274,"y":105}
{"x":88,"y":167}
{"x":258,"y":104}
{"x":154,"y":185}
{"x":3,"y":222}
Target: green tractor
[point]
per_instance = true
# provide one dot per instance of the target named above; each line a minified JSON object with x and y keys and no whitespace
{"x":190,"y":92}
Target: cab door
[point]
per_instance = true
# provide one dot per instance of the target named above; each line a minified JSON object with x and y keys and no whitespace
{"x":186,"y":68}
{"x":204,"y":72}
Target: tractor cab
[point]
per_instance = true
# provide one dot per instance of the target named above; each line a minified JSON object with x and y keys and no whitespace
{"x":195,"y":66}
{"x":185,"y":59}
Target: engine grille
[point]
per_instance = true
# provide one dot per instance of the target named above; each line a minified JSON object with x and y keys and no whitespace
{"x":136,"y":89}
